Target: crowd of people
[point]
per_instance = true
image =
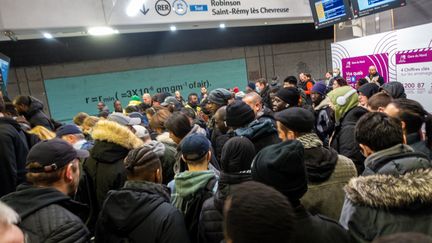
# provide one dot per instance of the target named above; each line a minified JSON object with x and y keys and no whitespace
{"x":289,"y":161}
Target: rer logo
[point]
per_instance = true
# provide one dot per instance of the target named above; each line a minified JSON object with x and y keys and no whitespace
{"x":163,"y":8}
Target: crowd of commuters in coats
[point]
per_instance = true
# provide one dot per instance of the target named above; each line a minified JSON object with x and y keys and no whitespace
{"x":295,"y":161}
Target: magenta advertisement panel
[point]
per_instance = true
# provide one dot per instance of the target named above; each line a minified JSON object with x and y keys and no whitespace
{"x":354,"y":68}
{"x":414,"y":56}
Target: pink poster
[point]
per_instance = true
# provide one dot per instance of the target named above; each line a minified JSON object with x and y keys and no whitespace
{"x":354,"y":68}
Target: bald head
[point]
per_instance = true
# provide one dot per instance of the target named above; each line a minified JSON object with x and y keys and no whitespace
{"x":254,"y":100}
{"x":220,"y":118}
{"x":372,"y":70}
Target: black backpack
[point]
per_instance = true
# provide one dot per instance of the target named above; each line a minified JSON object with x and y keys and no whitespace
{"x":192,"y":205}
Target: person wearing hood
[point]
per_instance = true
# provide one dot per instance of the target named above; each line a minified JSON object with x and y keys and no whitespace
{"x":270,"y":167}
{"x":237,"y":156}
{"x":365,"y":92}
{"x":393,"y":194}
{"x":241,"y":119}
{"x":263,"y":89}
{"x":112,"y":143}
{"x":374,"y":76}
{"x":141,"y":209}
{"x":47,"y":212}
{"x":324,"y":116}
{"x":13,"y":152}
{"x":291,"y":82}
{"x":327,"y":172}
{"x":215,"y":100}
{"x":286,"y":98}
{"x":344,"y":102}
{"x":395,"y":89}
{"x":32,"y":109}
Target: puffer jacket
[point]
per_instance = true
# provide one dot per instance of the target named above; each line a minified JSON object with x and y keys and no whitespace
{"x":418,"y":144}
{"x":343,"y":140}
{"x":140,"y":211}
{"x":47,"y":215}
{"x":327,"y":174}
{"x":261,"y":133}
{"x":35,"y":115}
{"x":105,"y":164}
{"x":379,"y":205}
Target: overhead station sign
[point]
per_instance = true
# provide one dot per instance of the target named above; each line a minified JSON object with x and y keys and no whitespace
{"x":170,"y":11}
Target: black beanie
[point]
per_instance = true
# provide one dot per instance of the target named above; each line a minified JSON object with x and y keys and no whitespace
{"x":369,"y":89}
{"x":282,"y":167}
{"x":291,"y":96}
{"x":237,"y":155}
{"x":220,"y":96}
{"x":296,"y":119}
{"x":239,"y":114}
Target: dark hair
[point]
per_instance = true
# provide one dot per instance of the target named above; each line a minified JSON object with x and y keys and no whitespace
{"x":179,"y":124}
{"x":414,"y":115}
{"x":115,"y":101}
{"x":143,"y":107}
{"x":262,"y":81}
{"x":250,"y":219}
{"x":192,"y":94}
{"x":378,"y":100}
{"x":22,"y":100}
{"x":189,"y":112}
{"x":378,"y":131}
{"x":405,"y":237}
{"x":341,"y":82}
{"x":46,"y":178}
{"x":159,"y":119}
{"x":141,"y":162}
{"x":291,"y":80}
{"x":308,"y":75}
{"x":362,"y":81}
{"x":131,"y":108}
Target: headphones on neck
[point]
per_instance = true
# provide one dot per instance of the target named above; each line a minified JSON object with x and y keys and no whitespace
{"x":342,"y":100}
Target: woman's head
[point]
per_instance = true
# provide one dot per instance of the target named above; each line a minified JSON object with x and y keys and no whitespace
{"x":157,"y":121}
{"x":339,"y":82}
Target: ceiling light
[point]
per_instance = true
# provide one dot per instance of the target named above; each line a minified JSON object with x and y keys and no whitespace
{"x":103,"y":30}
{"x":48,"y":35}
{"x":222,"y":26}
{"x":173,"y":28}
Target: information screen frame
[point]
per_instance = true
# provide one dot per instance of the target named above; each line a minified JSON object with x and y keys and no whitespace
{"x":358,"y":12}
{"x":322,"y":24}
{"x":4,"y":74}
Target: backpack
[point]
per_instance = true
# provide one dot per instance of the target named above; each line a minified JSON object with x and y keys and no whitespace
{"x":192,"y":205}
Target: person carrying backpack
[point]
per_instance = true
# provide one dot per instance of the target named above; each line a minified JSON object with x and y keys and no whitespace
{"x":191,"y":188}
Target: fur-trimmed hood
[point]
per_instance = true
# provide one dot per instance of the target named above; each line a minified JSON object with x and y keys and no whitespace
{"x":113,"y":132}
{"x":411,"y":190}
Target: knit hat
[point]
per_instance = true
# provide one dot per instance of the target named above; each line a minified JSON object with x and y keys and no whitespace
{"x":282,"y":167}
{"x":237,"y":155}
{"x":239,"y":114}
{"x":220,"y":96}
{"x":351,"y":101}
{"x":296,"y":119}
{"x":251,"y":86}
{"x":368,"y":89}
{"x":290,"y":95}
{"x":395,"y":89}
{"x":320,"y":88}
{"x":236,"y":90}
{"x":136,"y":98}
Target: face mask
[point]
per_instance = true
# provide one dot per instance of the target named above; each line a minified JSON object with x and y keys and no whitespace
{"x":335,"y":75}
{"x":258,"y":90}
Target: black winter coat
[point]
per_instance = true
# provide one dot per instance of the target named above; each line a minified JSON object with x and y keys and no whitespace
{"x":140,"y":212}
{"x":47,"y":215}
{"x":265,"y":96}
{"x":35,"y":115}
{"x":418,"y":145}
{"x":262,"y":133}
{"x":343,"y":139}
{"x":13,"y":153}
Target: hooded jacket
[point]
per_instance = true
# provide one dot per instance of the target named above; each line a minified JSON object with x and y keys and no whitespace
{"x":13,"y":154}
{"x":414,"y":141}
{"x":261,"y":133}
{"x":35,"y":115}
{"x":140,"y":210}
{"x":105,"y":164}
{"x":395,"y":89}
{"x":327,"y":174}
{"x":343,"y":140}
{"x":380,"y":205}
{"x":324,"y":121}
{"x":47,"y":215}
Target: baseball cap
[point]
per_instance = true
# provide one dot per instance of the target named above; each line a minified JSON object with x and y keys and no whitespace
{"x":53,"y":155}
{"x":194,"y":147}
{"x":123,"y":120}
{"x":170,"y":100}
{"x":68,"y":129}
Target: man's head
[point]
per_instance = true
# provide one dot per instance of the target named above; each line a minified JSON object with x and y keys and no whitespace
{"x":54,"y":163}
{"x":318,"y":93}
{"x":336,"y":72}
{"x":147,"y":99}
{"x":302,"y":77}
{"x":360,"y":82}
{"x":178,"y":126}
{"x":328,"y":75}
{"x":22,"y":103}
{"x":218,"y":98}
{"x":339,"y":82}
{"x":157,"y":121}
{"x":254,"y":100}
{"x":70,"y":133}
{"x":365,"y":92}
{"x":372,"y":70}
{"x":286,"y":98}
{"x":203,"y":90}
{"x":143,"y":164}
{"x":79,"y":118}
{"x":250,"y":219}
{"x":9,"y":231}
{"x":239,"y":114}
{"x":118,"y":106}
{"x":294,"y":122}
{"x":193,"y":100}
{"x":261,"y":84}
{"x":100,"y":106}
{"x":220,"y":119}
{"x":378,"y":102}
{"x":375,"y":131}
{"x":290,"y":81}
{"x":195,"y":149}
{"x":172,"y":104}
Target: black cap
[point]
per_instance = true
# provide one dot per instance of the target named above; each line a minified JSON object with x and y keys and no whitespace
{"x":369,"y":89}
{"x":239,"y":114}
{"x":220,"y":96}
{"x":290,"y":95}
{"x":296,"y":119}
{"x":194,"y":147}
{"x":53,"y":155}
{"x":68,"y":129}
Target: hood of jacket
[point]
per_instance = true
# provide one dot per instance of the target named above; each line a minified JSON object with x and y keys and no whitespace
{"x":226,"y":182}
{"x":410,"y":191}
{"x":10,"y":121}
{"x":396,"y":160}
{"x":353,"y":115}
{"x":324,"y":103}
{"x":395,"y":90}
{"x":113,"y":132}
{"x":28,"y":199}
{"x":165,"y":139}
{"x":189,"y":182}
{"x":157,"y":147}
{"x":320,"y":162}
{"x":35,"y":106}
{"x":257,"y":129}
{"x":125,"y":209}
